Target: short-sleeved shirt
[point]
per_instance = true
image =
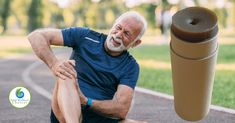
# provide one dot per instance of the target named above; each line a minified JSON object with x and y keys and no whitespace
{"x":99,"y":73}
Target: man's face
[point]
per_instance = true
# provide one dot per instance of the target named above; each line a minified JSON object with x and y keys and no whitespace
{"x":123,"y":34}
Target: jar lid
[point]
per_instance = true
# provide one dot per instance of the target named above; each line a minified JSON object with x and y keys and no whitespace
{"x":194,"y":24}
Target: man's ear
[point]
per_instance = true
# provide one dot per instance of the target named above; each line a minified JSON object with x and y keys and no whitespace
{"x":136,"y":43}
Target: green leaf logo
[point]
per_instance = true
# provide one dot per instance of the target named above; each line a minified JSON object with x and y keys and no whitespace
{"x":19,"y":93}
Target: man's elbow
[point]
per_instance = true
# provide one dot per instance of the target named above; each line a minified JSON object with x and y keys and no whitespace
{"x":37,"y":37}
{"x":123,"y":113}
{"x":31,"y":36}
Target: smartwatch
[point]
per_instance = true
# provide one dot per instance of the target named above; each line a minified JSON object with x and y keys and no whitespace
{"x":89,"y":102}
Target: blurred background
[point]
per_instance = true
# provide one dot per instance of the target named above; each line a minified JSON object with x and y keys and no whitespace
{"x":20,"y":17}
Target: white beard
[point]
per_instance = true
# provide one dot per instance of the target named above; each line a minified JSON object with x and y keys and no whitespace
{"x":111,"y":46}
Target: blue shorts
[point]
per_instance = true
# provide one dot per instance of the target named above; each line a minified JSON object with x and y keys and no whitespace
{"x":53,"y":118}
{"x":88,"y":117}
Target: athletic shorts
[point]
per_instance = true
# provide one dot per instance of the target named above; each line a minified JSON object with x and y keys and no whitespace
{"x":53,"y":118}
{"x":87,"y":118}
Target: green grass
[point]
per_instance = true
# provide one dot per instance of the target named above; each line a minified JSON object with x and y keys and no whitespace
{"x":161,"y":53}
{"x":155,"y":52}
{"x":156,"y":79}
{"x":224,"y":93}
{"x":160,"y":80}
{"x":226,"y":54}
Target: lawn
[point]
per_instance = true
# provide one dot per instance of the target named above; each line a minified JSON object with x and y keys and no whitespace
{"x":161,"y":53}
{"x":160,"y":79}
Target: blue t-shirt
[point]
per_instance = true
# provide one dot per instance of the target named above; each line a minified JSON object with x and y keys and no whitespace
{"x":99,"y":73}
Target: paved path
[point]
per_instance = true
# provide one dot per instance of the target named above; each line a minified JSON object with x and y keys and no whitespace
{"x":146,"y":107}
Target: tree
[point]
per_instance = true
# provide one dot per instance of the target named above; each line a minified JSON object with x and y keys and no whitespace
{"x":19,"y":15}
{"x":5,"y":13}
{"x":148,"y":11}
{"x":58,"y":18}
{"x":35,"y":15}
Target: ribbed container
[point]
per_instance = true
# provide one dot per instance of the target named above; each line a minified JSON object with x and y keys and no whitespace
{"x":194,"y":50}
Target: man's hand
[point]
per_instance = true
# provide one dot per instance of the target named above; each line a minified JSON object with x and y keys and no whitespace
{"x":64,"y":69}
{"x":82,"y":97}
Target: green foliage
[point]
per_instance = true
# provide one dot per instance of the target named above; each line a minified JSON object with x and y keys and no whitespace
{"x":101,"y":15}
{"x":91,"y":16}
{"x":81,"y":10}
{"x":45,"y":13}
{"x":5,"y":13}
{"x":98,"y":15}
{"x":222,"y":15}
{"x":1,"y":10}
{"x":149,"y":11}
{"x":19,"y":12}
{"x":58,"y":18}
{"x":35,"y":15}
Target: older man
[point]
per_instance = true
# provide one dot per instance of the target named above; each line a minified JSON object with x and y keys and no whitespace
{"x":97,"y":84}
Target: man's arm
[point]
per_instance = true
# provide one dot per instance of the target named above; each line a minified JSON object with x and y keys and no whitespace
{"x":40,"y":41}
{"x":118,"y":107}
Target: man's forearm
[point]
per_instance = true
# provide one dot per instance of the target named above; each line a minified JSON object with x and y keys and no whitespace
{"x":41,"y":47}
{"x":118,"y":107}
{"x":110,"y":108}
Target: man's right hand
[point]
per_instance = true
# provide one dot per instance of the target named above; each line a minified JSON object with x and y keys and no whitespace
{"x":64,"y":69}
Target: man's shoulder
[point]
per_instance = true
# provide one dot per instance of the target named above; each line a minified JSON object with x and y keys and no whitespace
{"x":132,"y":61}
{"x":87,"y":29}
{"x":85,"y":32}
{"x":78,"y":29}
{"x":75,"y":31}
{"x":96,"y":33}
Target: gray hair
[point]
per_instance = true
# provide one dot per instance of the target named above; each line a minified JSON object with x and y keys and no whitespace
{"x":138,"y":18}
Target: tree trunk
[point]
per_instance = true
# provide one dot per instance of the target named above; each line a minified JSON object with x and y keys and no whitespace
{"x":35,"y":15}
{"x":5,"y":13}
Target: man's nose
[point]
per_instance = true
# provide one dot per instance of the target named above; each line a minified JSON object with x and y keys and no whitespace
{"x":119,"y":34}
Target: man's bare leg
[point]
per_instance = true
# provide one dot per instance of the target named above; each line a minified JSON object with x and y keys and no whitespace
{"x":55,"y":105}
{"x":66,"y":103}
{"x":131,"y":121}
